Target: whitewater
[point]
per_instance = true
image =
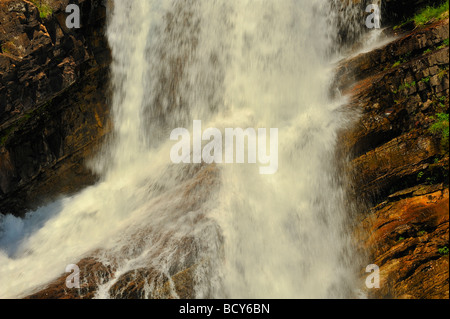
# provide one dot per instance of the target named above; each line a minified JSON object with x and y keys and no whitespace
{"x":235,"y":63}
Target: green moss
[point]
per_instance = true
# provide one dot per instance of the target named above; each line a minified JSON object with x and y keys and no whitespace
{"x":427,"y":15}
{"x":403,"y":59}
{"x":441,"y":103}
{"x":430,"y":14}
{"x":444,"y":44}
{"x":420,"y":175}
{"x":443,"y":251}
{"x":442,"y":73}
{"x":440,"y":127}
{"x":406,"y":85}
{"x":44,"y":9}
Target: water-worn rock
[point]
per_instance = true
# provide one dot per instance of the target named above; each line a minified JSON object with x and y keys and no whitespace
{"x":135,"y":284}
{"x":399,"y":165}
{"x":124,"y":279}
{"x":396,"y":101}
{"x":406,"y":239}
{"x":92,"y":274}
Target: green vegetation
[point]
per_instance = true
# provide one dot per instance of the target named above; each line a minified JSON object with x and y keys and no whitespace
{"x":425,"y":79}
{"x":427,"y":15}
{"x":406,"y":85}
{"x":403,"y":59}
{"x":421,"y":233}
{"x":443,"y":251}
{"x":444,"y":44}
{"x":441,"y":127}
{"x":441,"y":101}
{"x":44,"y":9}
{"x":430,"y":14}
{"x":442,"y":73}
{"x":401,"y":239}
{"x":420,"y":175}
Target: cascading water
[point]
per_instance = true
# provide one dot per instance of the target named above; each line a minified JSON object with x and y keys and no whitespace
{"x":230,"y":64}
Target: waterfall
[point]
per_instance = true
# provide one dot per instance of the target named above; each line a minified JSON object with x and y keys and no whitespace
{"x":230,"y":64}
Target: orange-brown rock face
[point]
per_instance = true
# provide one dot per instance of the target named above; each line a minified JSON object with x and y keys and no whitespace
{"x":92,"y":274}
{"x":399,"y":167}
{"x":53,"y":110}
{"x":407,"y":235}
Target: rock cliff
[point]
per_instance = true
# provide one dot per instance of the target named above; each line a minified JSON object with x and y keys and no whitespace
{"x":53,"y":110}
{"x":399,"y":157}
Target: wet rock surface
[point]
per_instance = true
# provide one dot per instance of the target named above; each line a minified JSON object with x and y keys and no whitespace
{"x":407,"y":236}
{"x":399,"y":163}
{"x":92,"y":274}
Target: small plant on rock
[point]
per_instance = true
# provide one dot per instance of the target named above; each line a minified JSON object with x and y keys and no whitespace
{"x":441,"y":127}
{"x":44,"y":9}
{"x":443,"y":251}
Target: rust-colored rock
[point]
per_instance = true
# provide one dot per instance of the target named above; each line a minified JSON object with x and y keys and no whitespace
{"x":399,"y":166}
{"x":405,"y":237}
{"x":92,"y":274}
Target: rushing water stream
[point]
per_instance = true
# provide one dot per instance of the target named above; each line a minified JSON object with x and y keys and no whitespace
{"x":231,"y":64}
